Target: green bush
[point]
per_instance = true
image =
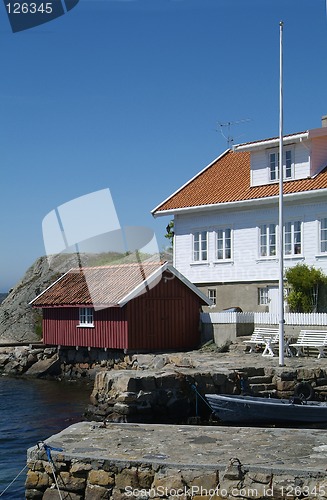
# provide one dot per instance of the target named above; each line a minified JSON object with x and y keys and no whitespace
{"x":307,"y":288}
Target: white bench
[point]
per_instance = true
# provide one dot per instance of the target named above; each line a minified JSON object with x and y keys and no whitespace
{"x":311,"y":338}
{"x":264,"y":336}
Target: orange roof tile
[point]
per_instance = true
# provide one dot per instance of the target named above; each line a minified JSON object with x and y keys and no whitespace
{"x":228,"y":180}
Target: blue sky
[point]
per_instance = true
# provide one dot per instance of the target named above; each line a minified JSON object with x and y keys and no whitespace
{"x":128,"y":95}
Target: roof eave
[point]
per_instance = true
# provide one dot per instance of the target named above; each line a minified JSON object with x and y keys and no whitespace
{"x":241,"y":203}
{"x":252,"y":146}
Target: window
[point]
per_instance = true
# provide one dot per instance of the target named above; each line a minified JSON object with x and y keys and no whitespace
{"x":288,"y":164}
{"x":86,"y":316}
{"x":323,"y":235}
{"x":274,"y":165}
{"x":212,"y":295}
{"x":293,"y":238}
{"x":263,"y":298}
{"x":267,"y":245}
{"x":200,"y":246}
{"x":224,"y":244}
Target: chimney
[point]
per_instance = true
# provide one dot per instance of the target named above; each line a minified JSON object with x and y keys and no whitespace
{"x":324,"y":121}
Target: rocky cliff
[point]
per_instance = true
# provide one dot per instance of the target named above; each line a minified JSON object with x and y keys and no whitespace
{"x":19,"y":322}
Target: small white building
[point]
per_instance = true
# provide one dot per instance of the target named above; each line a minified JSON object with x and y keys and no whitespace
{"x":226,"y":219}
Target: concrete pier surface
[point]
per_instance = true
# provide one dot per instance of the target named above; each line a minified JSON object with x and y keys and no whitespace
{"x":145,"y":461}
{"x":296,"y":451}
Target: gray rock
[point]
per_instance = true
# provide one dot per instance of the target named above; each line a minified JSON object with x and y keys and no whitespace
{"x":48,"y":366}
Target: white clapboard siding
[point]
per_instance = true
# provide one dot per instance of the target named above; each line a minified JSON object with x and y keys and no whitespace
{"x":245,"y":265}
{"x":265,"y":318}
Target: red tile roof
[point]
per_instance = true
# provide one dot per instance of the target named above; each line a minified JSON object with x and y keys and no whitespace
{"x":103,"y":285}
{"x":228,"y":180}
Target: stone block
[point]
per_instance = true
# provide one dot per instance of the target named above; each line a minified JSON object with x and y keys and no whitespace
{"x":37,"y":480}
{"x":306,"y":374}
{"x":288,"y":375}
{"x":52,"y":494}
{"x":167,"y":380}
{"x":121,"y":495}
{"x":219,"y":379}
{"x":171,"y":479}
{"x":33,"y":494}
{"x":71,"y":483}
{"x":101,"y":478}
{"x":259,"y":380}
{"x":94,"y":492}
{"x":145,"y":478}
{"x":36,"y":465}
{"x":148,"y":384}
{"x":159,"y":362}
{"x":127,"y":477}
{"x":287,"y":385}
{"x":80,"y":468}
{"x":260,"y":477}
{"x":127,"y":397}
{"x":59,"y":466}
{"x":256,"y":388}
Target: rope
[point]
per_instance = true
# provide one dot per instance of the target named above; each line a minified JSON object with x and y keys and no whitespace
{"x":48,"y":449}
{"x":198,"y":394}
{"x":12,"y":482}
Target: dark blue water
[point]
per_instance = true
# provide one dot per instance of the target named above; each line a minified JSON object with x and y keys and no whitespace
{"x":31,"y":411}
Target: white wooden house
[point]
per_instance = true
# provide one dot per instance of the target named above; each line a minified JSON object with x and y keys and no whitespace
{"x":226,"y":219}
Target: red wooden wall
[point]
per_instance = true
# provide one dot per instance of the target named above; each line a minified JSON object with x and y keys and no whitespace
{"x":60,"y":327}
{"x":165,"y":317}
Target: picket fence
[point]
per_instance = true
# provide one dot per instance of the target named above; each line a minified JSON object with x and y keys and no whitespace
{"x":265,"y":318}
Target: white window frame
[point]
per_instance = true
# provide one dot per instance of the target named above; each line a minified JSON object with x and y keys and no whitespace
{"x":221,"y":234}
{"x":323,"y":236}
{"x":200,"y":246}
{"x":212,"y":295}
{"x":86,"y":317}
{"x":270,"y":234}
{"x":291,"y":239}
{"x":263,"y":296}
{"x":288,"y":164}
{"x":273,"y":166}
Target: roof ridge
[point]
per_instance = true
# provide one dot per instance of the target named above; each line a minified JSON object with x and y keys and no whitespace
{"x":110,"y":266}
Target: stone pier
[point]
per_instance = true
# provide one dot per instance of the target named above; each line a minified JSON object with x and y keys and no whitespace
{"x":140,"y":461}
{"x":160,"y":388}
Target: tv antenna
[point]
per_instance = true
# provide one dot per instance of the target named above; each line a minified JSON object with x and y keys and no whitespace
{"x":229,"y":138}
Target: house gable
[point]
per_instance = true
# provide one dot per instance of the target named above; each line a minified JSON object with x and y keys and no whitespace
{"x":242,"y":176}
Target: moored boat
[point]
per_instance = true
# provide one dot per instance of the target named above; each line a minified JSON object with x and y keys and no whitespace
{"x":250,"y":409}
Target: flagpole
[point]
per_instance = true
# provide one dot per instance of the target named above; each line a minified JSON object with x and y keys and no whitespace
{"x":281,"y":221}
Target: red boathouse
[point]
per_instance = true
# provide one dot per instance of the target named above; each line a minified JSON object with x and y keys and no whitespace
{"x":135,"y":307}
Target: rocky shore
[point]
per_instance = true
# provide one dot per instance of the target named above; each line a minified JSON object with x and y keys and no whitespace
{"x":39,"y":361}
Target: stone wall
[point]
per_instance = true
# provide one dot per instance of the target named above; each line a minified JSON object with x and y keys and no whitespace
{"x":174,"y":394}
{"x":89,"y":479}
{"x":69,"y":364}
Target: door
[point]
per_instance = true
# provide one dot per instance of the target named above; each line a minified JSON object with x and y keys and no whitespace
{"x":273,"y":299}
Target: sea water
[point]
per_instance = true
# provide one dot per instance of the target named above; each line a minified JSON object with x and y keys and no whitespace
{"x":31,"y":411}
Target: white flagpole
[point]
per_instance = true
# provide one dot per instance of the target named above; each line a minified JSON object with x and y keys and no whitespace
{"x":281,"y":221}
